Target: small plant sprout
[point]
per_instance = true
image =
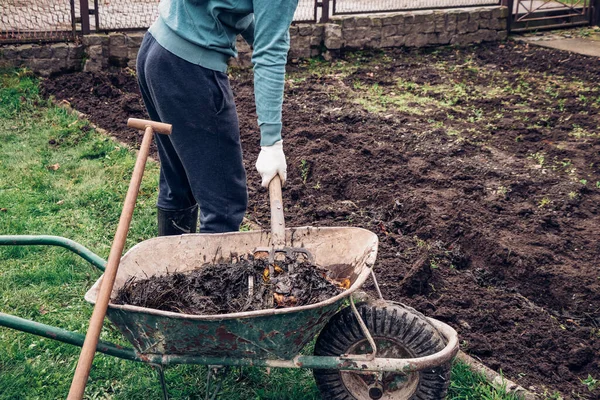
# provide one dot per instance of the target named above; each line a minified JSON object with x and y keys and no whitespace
{"x":539,"y":158}
{"x":130,"y":72}
{"x":598,"y":184}
{"x":551,"y":91}
{"x":583,"y":181}
{"x":304,"y":170}
{"x":565,"y":163}
{"x":420,"y":242}
{"x":477,"y":115}
{"x":544,"y":202}
{"x":245,"y":227}
{"x":573,"y":195}
{"x":502,"y":190}
{"x":436,"y":124}
{"x":433,"y":264}
{"x":591,"y":383}
{"x":554,"y":396}
{"x":579,"y":133}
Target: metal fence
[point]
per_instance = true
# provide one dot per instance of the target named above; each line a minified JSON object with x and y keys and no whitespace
{"x":30,"y":20}
{"x":531,"y":15}
{"x":341,"y":7}
{"x":42,"y":21}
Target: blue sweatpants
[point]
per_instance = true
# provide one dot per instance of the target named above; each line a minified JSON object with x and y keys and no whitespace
{"x":201,"y":161}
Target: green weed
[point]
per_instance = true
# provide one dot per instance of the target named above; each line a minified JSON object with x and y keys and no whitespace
{"x":539,"y":158}
{"x":591,"y":383}
{"x":304,"y":169}
{"x":544,"y":202}
{"x":573,"y":195}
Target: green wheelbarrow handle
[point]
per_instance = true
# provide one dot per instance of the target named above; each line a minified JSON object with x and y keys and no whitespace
{"x":52,"y":332}
{"x":47,"y":240}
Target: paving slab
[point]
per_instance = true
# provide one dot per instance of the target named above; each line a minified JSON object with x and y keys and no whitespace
{"x":581,"y":46}
{"x":580,"y":40}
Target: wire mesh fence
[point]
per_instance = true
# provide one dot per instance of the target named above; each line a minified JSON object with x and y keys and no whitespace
{"x":34,"y":20}
{"x":26,"y":20}
{"x":366,"y":6}
{"x":124,"y":14}
{"x":139,"y":14}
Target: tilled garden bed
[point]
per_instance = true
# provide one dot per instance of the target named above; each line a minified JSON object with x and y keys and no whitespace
{"x":478,"y":168}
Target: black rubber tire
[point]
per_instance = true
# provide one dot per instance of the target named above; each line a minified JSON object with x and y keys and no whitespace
{"x":386,"y":321}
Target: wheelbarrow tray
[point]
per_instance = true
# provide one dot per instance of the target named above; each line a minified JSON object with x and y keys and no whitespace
{"x":266,"y":334}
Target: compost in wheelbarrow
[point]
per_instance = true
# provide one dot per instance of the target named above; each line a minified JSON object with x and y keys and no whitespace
{"x":248,"y":283}
{"x":272,"y":333}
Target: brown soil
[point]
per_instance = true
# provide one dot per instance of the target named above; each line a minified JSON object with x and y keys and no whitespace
{"x":485,"y":198}
{"x":224,"y":288}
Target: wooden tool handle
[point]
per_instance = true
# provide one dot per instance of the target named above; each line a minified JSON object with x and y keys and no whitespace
{"x":142,"y":124}
{"x":88,"y":350}
{"x":277,"y":220}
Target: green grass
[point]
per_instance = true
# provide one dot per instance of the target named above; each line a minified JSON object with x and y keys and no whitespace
{"x":60,"y":177}
{"x":466,"y":385}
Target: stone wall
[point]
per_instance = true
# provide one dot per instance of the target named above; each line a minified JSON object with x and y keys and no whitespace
{"x":112,"y":50}
{"x":409,"y":29}
{"x":43,"y":59}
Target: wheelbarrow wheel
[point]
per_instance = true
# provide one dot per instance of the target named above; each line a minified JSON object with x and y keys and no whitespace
{"x":399,"y":332}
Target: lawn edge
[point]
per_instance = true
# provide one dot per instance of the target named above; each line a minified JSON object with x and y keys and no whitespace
{"x":495,"y":379}
{"x":67,"y":106}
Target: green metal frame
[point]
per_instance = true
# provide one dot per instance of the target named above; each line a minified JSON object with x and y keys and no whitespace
{"x":47,"y":240}
{"x":62,"y":335}
{"x":126,"y":353}
{"x":52,"y":332}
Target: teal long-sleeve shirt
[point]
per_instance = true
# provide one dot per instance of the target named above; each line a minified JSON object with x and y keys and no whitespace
{"x":204,"y":32}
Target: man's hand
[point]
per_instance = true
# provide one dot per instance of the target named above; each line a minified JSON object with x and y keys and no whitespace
{"x":271,"y":162}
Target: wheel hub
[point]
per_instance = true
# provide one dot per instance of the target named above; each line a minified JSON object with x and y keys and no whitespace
{"x":385,"y":385}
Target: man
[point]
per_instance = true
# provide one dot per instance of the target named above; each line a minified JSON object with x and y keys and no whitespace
{"x":181,"y":69}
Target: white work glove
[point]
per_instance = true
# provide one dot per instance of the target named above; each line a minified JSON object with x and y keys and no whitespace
{"x":271,"y":162}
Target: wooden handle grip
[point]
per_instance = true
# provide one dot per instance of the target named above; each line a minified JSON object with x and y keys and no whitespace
{"x":277,"y":219}
{"x":142,"y":124}
{"x":88,"y":350}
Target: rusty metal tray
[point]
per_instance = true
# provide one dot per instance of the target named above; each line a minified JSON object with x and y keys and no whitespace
{"x":274,"y":333}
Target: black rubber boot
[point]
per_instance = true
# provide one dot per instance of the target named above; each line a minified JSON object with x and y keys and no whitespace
{"x":177,"y":222}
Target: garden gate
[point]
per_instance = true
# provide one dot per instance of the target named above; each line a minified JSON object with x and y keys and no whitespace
{"x":528,"y":15}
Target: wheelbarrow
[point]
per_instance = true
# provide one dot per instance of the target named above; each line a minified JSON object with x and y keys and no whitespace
{"x":371,"y":349}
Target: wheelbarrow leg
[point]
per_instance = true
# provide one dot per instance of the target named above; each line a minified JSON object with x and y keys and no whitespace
{"x":161,"y":378}
{"x":218,"y":371}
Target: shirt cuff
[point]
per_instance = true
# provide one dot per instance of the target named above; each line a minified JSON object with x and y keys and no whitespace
{"x":270,"y":133}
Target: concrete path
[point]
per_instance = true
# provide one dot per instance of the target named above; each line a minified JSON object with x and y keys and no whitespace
{"x":577,"y":40}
